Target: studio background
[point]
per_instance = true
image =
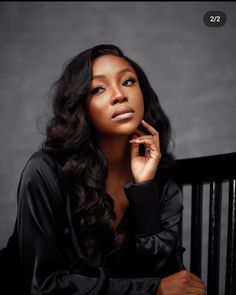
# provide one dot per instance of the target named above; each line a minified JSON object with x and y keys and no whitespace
{"x":191,"y":66}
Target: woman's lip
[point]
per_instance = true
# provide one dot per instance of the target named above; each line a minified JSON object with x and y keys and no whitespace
{"x":122,"y":110}
{"x":124,"y":116}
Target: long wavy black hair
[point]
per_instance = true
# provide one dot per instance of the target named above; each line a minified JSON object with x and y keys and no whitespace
{"x":70,"y":136}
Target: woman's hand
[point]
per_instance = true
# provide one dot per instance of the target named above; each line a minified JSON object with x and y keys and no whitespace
{"x":144,"y":167}
{"x":181,"y":283}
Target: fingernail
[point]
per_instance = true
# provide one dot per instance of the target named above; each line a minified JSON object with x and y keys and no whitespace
{"x":134,"y":140}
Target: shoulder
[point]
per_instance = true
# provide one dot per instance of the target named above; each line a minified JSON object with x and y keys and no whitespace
{"x":41,"y":158}
{"x":41,"y":181}
{"x":42,"y":169}
{"x":41,"y":161}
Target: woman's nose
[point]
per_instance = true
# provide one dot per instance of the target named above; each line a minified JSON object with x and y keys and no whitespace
{"x":118,"y":96}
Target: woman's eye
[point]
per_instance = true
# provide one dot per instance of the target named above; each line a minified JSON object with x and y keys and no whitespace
{"x":97,"y":90}
{"x":129,"y":82}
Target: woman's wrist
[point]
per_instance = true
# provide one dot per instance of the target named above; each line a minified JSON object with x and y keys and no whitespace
{"x":143,"y":180}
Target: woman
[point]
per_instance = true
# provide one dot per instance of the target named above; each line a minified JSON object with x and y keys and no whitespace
{"x":97,"y":210}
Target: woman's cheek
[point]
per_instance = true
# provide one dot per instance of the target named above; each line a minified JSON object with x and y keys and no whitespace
{"x":99,"y":118}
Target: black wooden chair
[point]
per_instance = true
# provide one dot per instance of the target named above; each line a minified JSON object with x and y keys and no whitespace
{"x":213,"y":170}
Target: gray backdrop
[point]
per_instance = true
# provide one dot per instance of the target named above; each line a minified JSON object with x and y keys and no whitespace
{"x":191,"y":67}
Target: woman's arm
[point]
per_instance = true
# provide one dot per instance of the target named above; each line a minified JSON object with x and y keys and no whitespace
{"x":156,"y":215}
{"x":48,"y":266}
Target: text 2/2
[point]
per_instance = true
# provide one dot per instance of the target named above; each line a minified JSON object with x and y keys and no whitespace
{"x":214,"y":19}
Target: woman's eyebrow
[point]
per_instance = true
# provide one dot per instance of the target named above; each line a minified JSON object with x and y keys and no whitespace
{"x":119,"y":72}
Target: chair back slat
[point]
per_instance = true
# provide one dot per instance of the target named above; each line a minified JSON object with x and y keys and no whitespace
{"x":196,"y":230}
{"x":230,"y":285}
{"x":214,"y":238}
{"x":180,"y":241}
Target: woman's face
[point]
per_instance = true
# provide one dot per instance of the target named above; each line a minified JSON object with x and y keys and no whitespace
{"x":115,"y":101}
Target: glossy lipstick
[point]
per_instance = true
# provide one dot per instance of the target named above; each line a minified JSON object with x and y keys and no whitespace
{"x":128,"y":115}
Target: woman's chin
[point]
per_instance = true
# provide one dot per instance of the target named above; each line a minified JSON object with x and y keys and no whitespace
{"x":120,"y":129}
{"x":126,"y":129}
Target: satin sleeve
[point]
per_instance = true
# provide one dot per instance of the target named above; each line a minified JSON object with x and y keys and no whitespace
{"x":44,"y":256}
{"x":156,"y":216}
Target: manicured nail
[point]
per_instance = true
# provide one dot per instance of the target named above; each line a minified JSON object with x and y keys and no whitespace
{"x":134,"y":140}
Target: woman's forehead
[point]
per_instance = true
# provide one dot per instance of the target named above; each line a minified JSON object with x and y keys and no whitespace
{"x":110,"y":64}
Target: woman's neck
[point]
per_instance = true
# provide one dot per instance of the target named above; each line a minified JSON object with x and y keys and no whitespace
{"x":116,"y":149}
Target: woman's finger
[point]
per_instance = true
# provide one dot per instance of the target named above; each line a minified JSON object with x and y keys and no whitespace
{"x":146,"y":139}
{"x":139,"y":132}
{"x":150,"y":129}
{"x":195,"y":291}
{"x":197,"y":284}
{"x":196,"y":278}
{"x":143,"y":140}
{"x":148,"y":143}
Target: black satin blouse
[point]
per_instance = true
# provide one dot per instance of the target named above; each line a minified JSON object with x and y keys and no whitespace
{"x":44,"y":255}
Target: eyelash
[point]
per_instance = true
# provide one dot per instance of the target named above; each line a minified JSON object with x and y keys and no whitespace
{"x":95,"y":90}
